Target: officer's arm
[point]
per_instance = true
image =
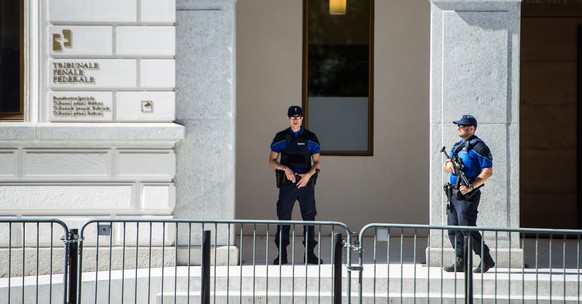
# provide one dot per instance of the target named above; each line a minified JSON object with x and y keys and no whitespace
{"x":316,"y":164}
{"x":483,"y":177}
{"x":278,"y":166}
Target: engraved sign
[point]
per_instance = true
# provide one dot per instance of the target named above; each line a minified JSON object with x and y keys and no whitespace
{"x":80,"y":106}
{"x":92,"y":73}
{"x":147,"y":106}
{"x":63,"y":40}
{"x":80,"y":41}
{"x":73,"y":72}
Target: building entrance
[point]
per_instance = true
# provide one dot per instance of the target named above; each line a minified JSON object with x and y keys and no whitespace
{"x":551,"y":90}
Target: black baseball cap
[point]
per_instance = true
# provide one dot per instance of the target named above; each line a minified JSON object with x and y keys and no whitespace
{"x":294,"y":111}
{"x":468,"y":120}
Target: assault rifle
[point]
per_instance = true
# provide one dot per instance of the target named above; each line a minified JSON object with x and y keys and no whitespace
{"x":461,"y":177}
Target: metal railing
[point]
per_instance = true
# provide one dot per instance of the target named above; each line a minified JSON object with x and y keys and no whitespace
{"x":161,"y":261}
{"x":199,"y":261}
{"x":404,"y":263}
{"x":33,"y":261}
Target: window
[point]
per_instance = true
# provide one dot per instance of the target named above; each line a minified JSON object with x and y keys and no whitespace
{"x":11,"y":61}
{"x":338,"y":78}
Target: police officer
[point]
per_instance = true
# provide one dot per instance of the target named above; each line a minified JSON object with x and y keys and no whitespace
{"x":464,"y":201}
{"x":297,"y":148}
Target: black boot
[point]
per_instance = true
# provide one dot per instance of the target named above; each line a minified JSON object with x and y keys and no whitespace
{"x":312,"y":258}
{"x":485,"y":264}
{"x":283,"y":257}
{"x":459,"y":266}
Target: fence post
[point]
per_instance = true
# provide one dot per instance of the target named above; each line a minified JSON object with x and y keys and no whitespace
{"x":337,"y":268}
{"x":73,"y":255}
{"x":468,"y":269}
{"x":205,"y":275}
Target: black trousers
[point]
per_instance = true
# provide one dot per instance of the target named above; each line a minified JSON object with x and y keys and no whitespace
{"x":288,"y":195}
{"x":461,"y":212}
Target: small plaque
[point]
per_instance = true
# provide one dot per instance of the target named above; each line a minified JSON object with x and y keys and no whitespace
{"x":80,"y":106}
{"x":104,"y":229}
{"x":147,"y":106}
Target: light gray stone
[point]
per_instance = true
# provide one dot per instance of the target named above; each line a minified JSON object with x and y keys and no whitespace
{"x":205,"y":86}
{"x":205,"y":106}
{"x":475,"y":70}
{"x":158,"y":11}
{"x":205,"y":170}
{"x":137,"y":41}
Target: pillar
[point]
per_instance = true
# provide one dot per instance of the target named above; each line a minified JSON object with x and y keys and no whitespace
{"x":475,"y":70}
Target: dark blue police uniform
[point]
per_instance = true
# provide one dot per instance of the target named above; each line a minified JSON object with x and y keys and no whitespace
{"x":461,"y":211}
{"x":296,"y":149}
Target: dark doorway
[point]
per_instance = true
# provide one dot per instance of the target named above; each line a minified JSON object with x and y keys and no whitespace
{"x":551,"y":89}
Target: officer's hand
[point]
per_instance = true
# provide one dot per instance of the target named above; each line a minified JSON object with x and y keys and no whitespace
{"x":303,"y":180}
{"x":464,"y":189}
{"x":289,"y":173}
{"x":449,"y":167}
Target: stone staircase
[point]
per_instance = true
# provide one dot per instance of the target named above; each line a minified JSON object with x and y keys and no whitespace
{"x":386,"y":283}
{"x":381,"y":284}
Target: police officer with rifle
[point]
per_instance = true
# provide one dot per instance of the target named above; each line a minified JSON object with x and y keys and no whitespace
{"x":470,"y":164}
{"x":296,"y":176}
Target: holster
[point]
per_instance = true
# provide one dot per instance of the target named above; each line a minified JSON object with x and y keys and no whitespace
{"x":279,"y":177}
{"x":313,"y":179}
{"x":448,"y":188}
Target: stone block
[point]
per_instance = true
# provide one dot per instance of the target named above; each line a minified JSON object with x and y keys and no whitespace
{"x":92,"y":73}
{"x":475,"y":57}
{"x":92,"y":11}
{"x":154,"y":11}
{"x":209,"y":76}
{"x":158,"y":198}
{"x":144,"y":234}
{"x":158,"y":73}
{"x":64,"y":198}
{"x":210,"y":181}
{"x":11,"y":131}
{"x":80,"y":41}
{"x":8,"y":163}
{"x":146,"y":41}
{"x":43,"y":235}
{"x":146,"y":106}
{"x":10,"y":234}
{"x":71,"y":133}
{"x":159,"y":165}
{"x":66,"y":164}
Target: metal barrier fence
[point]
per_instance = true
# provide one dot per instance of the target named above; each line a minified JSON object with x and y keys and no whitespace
{"x":33,"y":261}
{"x":161,"y":261}
{"x":195,"y":261}
{"x":403,"y":264}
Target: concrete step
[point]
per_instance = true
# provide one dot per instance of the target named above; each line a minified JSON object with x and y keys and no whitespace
{"x":324,"y":297}
{"x":393,"y":280}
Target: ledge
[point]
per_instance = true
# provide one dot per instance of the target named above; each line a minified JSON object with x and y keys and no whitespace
{"x":23,"y":132}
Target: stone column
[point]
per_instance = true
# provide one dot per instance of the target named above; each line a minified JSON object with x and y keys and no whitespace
{"x":205,"y":105}
{"x":475,"y":70}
